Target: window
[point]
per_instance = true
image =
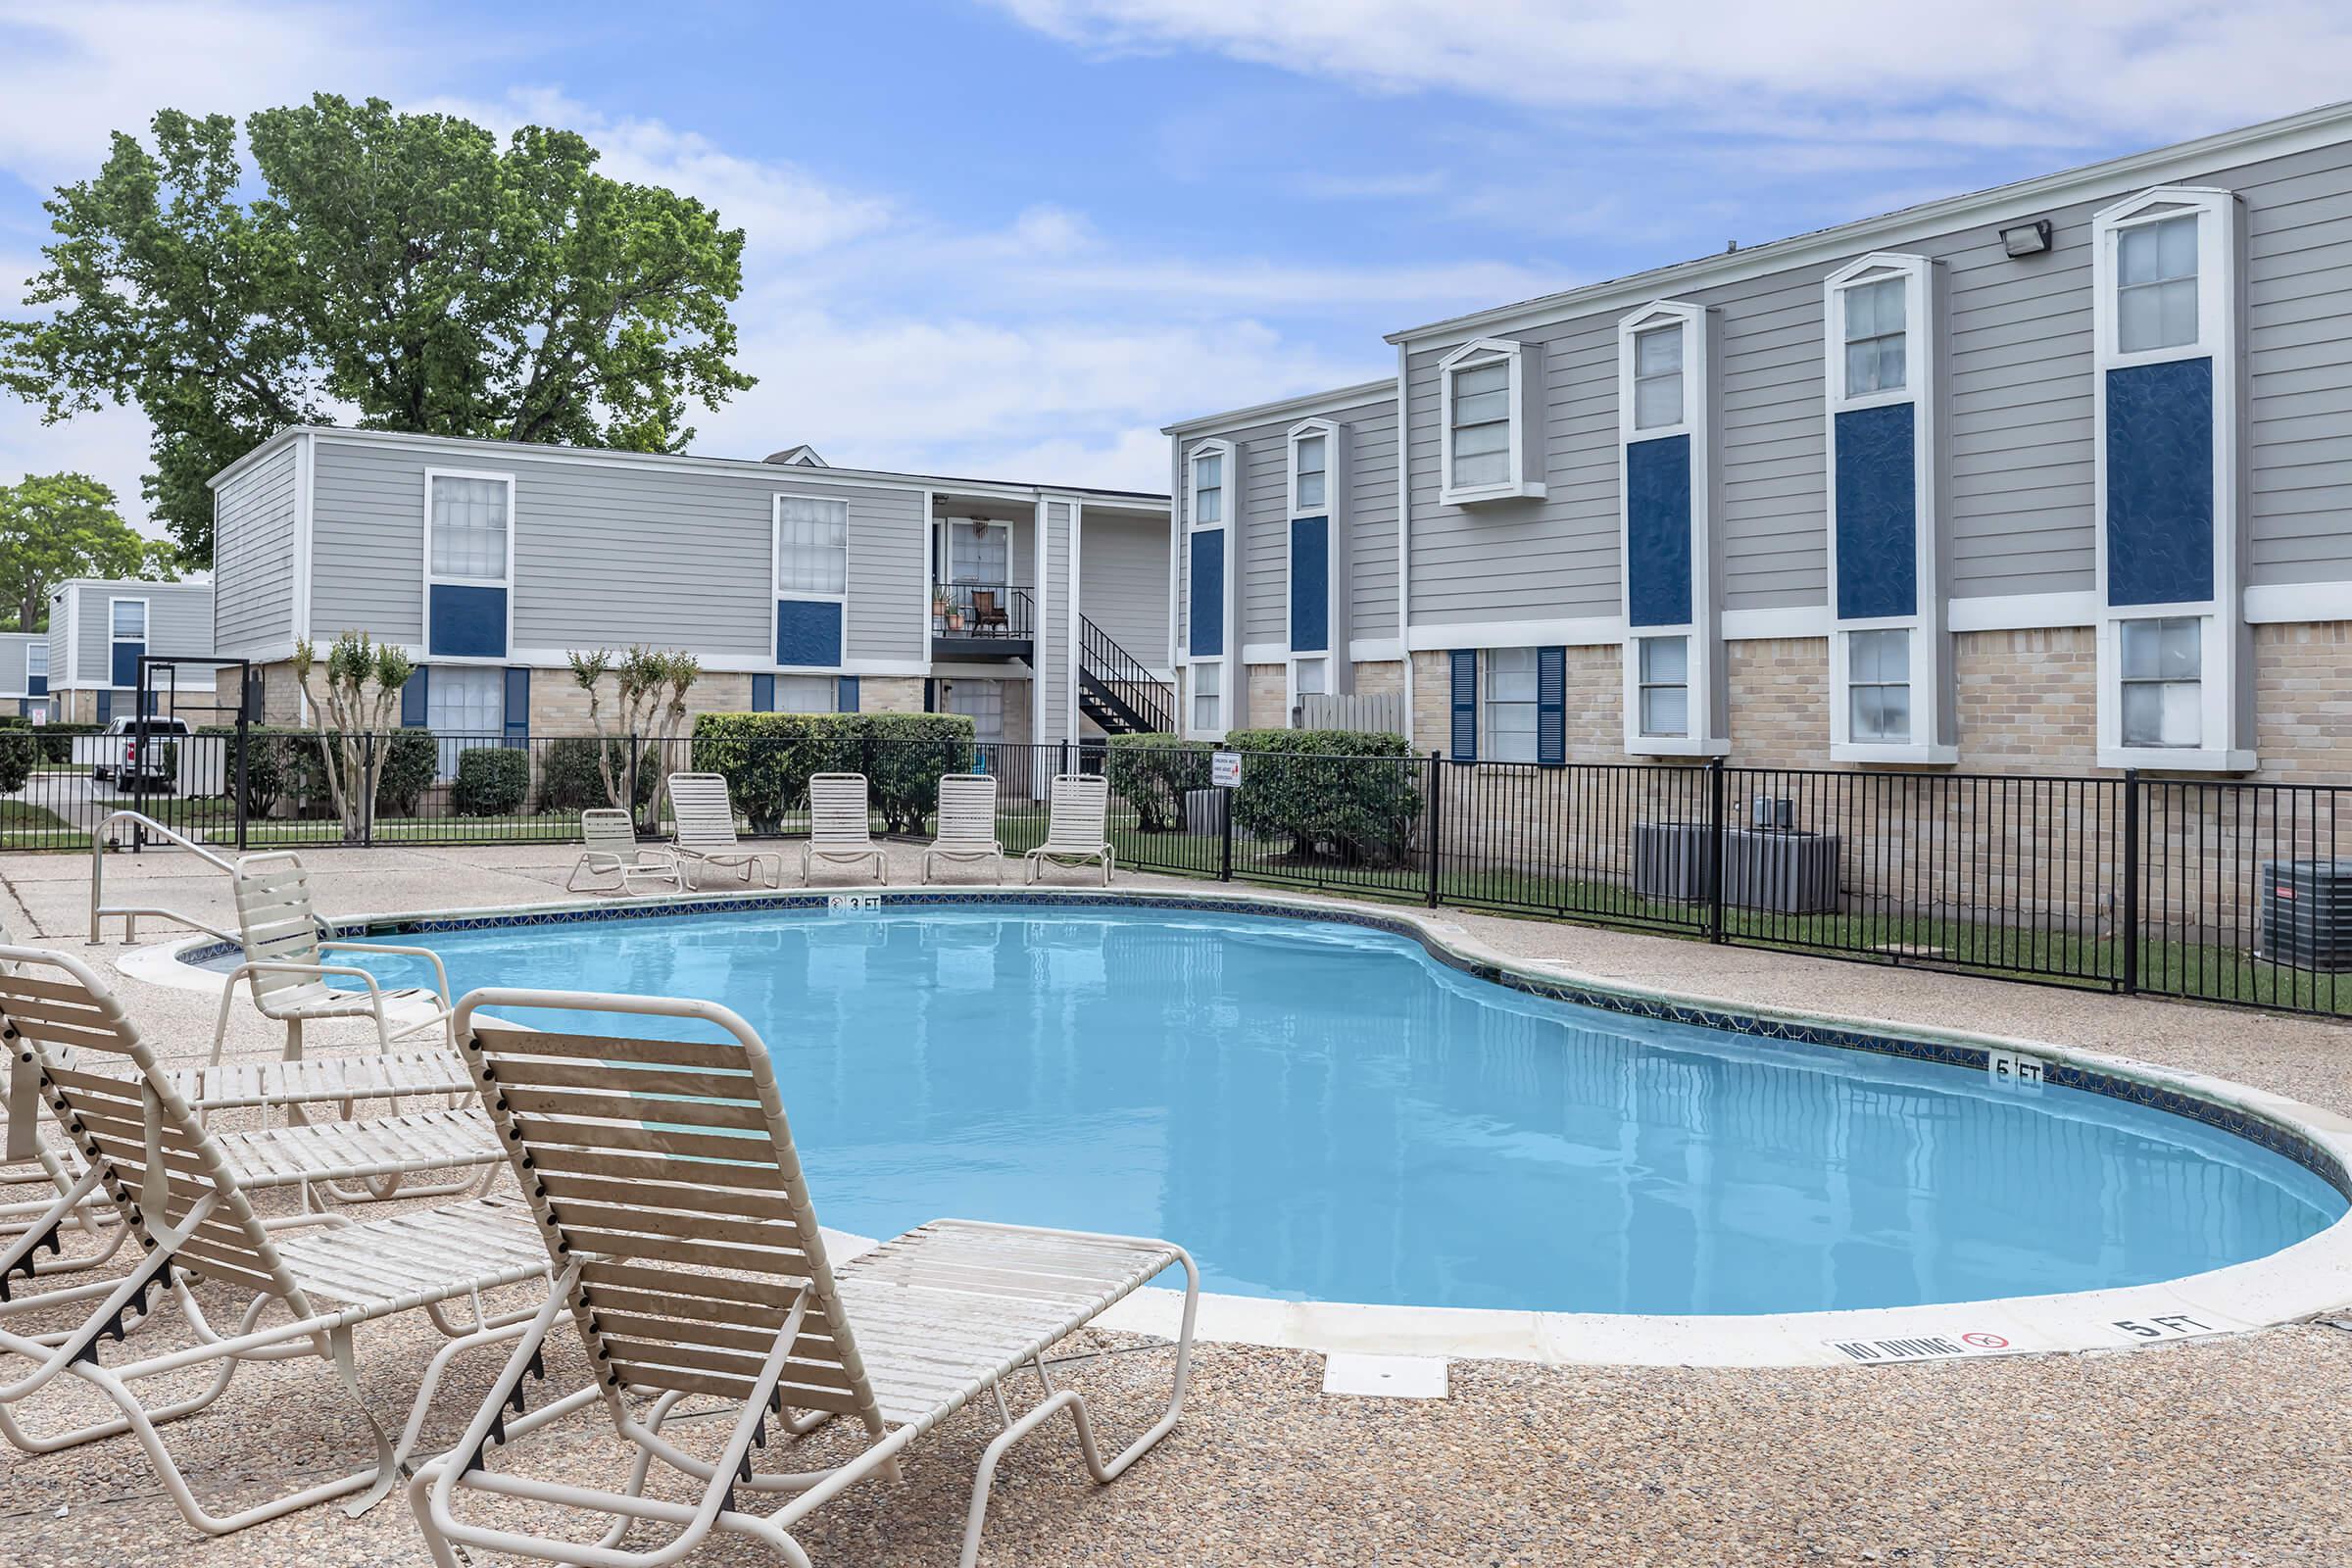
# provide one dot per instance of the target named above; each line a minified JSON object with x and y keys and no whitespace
{"x":1658,"y":379}
{"x":37,"y":659}
{"x":1312,"y":676}
{"x":2156,"y":285}
{"x":813,"y":546}
{"x":983,"y":703}
{"x":130,"y":620}
{"x":1665,"y":686}
{"x":1510,"y":716}
{"x":979,"y":552}
{"x":805,"y":694}
{"x":470,"y":524}
{"x":2163,"y":682}
{"x":1878,"y":685}
{"x":464,"y":707}
{"x":1208,"y":689}
{"x":1482,"y":424}
{"x":1208,"y":489}
{"x":1874,"y":337}
{"x":1311,"y":460}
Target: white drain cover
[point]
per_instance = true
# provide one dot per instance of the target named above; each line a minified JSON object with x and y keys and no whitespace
{"x":1392,"y":1377}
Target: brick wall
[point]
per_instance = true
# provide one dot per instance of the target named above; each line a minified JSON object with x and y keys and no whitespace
{"x":1269,"y":698}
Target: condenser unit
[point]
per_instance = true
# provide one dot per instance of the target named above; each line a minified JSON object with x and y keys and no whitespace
{"x":2307,"y":914}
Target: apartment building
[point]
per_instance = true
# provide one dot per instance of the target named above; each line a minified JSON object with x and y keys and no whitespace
{"x":99,"y":629}
{"x":1041,"y":610}
{"x":2055,"y":476}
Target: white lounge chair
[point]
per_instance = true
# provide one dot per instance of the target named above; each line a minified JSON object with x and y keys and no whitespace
{"x":286,"y":963}
{"x":1076,"y":827}
{"x":612,"y":859}
{"x":967,"y":824}
{"x":841,"y":830}
{"x":689,"y":1256}
{"x":705,"y":820}
{"x":185,"y":1191}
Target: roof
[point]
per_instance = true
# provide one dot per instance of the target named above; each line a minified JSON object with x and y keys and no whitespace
{"x":2019,"y":199}
{"x":1303,"y":405}
{"x":1145,"y":500}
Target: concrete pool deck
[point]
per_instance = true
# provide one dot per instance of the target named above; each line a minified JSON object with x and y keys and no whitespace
{"x":2214,"y":1450}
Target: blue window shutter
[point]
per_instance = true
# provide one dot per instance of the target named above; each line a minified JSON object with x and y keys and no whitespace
{"x":930,"y":697}
{"x":1465,"y":705}
{"x":106,"y":707}
{"x":764,"y":694}
{"x":1551,"y":705}
{"x":518,"y":703}
{"x":845,"y":694}
{"x":413,"y":699}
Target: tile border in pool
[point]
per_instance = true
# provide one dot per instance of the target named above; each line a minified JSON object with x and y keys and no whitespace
{"x":2311,"y":1277}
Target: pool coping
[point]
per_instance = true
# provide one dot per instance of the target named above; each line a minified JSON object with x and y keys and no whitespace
{"x":2309,"y":1279}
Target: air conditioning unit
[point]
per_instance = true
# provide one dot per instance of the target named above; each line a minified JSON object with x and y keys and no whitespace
{"x":2307,"y":914}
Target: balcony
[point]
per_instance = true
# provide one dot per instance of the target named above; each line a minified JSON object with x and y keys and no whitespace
{"x":980,"y":620}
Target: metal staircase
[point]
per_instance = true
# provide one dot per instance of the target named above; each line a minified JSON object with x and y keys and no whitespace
{"x":1116,"y":691}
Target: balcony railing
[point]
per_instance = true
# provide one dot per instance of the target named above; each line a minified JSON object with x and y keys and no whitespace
{"x":982,"y":610}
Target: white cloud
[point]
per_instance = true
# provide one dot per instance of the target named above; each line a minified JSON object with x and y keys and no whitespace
{"x":2017,"y":70}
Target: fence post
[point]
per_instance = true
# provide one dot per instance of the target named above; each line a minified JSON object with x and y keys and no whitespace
{"x":1716,"y":823}
{"x":1437,"y":801}
{"x":366,"y":785}
{"x":628,"y":781}
{"x":1224,"y":799}
{"x":2128,"y":916}
{"x":1064,"y":766}
{"x":244,"y":741}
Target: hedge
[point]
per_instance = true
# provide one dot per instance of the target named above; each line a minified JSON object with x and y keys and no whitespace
{"x":18,"y":751}
{"x":492,"y":781}
{"x":286,"y":762}
{"x":767,"y":759}
{"x":569,"y":779}
{"x":1308,"y":783}
{"x":57,"y":740}
{"x":1152,"y":772}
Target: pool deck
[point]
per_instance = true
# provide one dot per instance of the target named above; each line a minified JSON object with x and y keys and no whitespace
{"x":2219,"y":1450}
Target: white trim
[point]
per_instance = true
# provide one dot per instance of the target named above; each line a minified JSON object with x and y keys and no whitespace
{"x":1069,"y":672}
{"x":146,"y":638}
{"x":777,"y":595}
{"x":1526,"y":481}
{"x":2224,"y":673}
{"x":718,"y":663}
{"x":1404,"y":537}
{"x":2078,"y":607}
{"x":1788,"y":620}
{"x":1928,"y":657}
{"x":1234,"y":656}
{"x":1306,"y":429}
{"x":1582,"y":631}
{"x":1338,"y":479}
{"x":1265,"y":653}
{"x":430,"y":577}
{"x":305,"y":536}
{"x":1037,"y":572}
{"x":73,"y":644}
{"x":2315,"y":128}
{"x":1334,"y":403}
{"x":2272,"y":604}
{"x":1705,"y":701}
{"x":1375,"y":650}
{"x":1177,"y":600}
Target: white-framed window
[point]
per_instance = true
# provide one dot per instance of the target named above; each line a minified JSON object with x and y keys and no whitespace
{"x":2156,"y":285}
{"x":1487,"y":451}
{"x":1310,"y":677}
{"x":2163,"y":680}
{"x":979,"y":552}
{"x":983,"y":703}
{"x":464,"y":707}
{"x":1877,"y":335}
{"x":1658,"y":378}
{"x":1878,"y":685}
{"x":127,"y":621}
{"x":813,"y":547}
{"x":1208,"y":469}
{"x":806,"y":693}
{"x":37,"y":659}
{"x":2164,"y":268}
{"x":1507,"y":726}
{"x":1662,"y":705}
{"x":1209,"y":697}
{"x":1310,"y":471}
{"x":471,"y":526}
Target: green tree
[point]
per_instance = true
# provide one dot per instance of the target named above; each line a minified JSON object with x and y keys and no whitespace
{"x":406,"y":265}
{"x":55,"y":528}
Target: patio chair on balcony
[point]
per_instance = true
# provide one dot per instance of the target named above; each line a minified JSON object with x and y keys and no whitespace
{"x":613,"y":861}
{"x":987,"y":612}
{"x":704,"y":819}
{"x":717,"y":1282}
{"x":840,"y":825}
{"x":187,"y":1193}
{"x":1077,"y":831}
{"x":967,"y":824}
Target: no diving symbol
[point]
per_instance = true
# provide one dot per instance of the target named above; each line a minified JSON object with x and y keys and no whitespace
{"x":1984,"y":1342}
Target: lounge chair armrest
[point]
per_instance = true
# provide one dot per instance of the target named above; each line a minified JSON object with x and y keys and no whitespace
{"x":440,"y":971}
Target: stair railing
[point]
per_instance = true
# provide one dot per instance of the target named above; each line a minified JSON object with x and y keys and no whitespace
{"x":1125,"y":678}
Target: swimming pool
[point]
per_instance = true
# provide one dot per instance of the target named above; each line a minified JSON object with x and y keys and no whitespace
{"x":1322,"y":1112}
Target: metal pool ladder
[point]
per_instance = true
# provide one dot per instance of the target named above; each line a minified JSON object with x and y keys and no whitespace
{"x":100,"y":909}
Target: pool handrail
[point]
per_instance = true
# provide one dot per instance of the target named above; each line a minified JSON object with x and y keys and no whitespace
{"x":100,"y":909}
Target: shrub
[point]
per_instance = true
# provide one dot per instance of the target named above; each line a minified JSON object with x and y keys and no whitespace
{"x":569,"y":779}
{"x":1333,"y":790}
{"x":18,"y":751}
{"x":492,"y":781}
{"x":767,"y":758}
{"x":1152,"y":772}
{"x":287,"y":763}
{"x":57,"y":740}
{"x":408,"y":772}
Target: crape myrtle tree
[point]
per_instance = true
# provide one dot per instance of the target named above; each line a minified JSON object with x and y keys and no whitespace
{"x":650,"y":686}
{"x":360,"y":704}
{"x":408,"y":271}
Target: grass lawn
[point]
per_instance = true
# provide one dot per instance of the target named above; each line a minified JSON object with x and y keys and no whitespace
{"x":26,"y":826}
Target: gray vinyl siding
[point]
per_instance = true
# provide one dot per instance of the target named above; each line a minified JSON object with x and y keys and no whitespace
{"x":1263,"y":511}
{"x":2018,"y":418}
{"x":607,"y":555}
{"x":180,"y":622}
{"x":1123,"y":582}
{"x":1371,"y":519}
{"x":1053,"y":643}
{"x":12,"y":660}
{"x":253,"y":556}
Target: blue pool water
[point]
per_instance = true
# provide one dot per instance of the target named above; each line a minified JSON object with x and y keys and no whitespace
{"x":1325,"y":1113}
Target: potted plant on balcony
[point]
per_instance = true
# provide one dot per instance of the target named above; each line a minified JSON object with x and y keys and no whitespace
{"x":956,"y":618}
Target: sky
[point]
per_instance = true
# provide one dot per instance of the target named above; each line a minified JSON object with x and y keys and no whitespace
{"x":1014,"y":238}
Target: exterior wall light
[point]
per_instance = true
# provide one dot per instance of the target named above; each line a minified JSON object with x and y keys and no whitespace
{"x":2026,"y":239}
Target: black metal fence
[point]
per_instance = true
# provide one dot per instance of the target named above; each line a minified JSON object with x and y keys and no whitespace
{"x":2219,"y":891}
